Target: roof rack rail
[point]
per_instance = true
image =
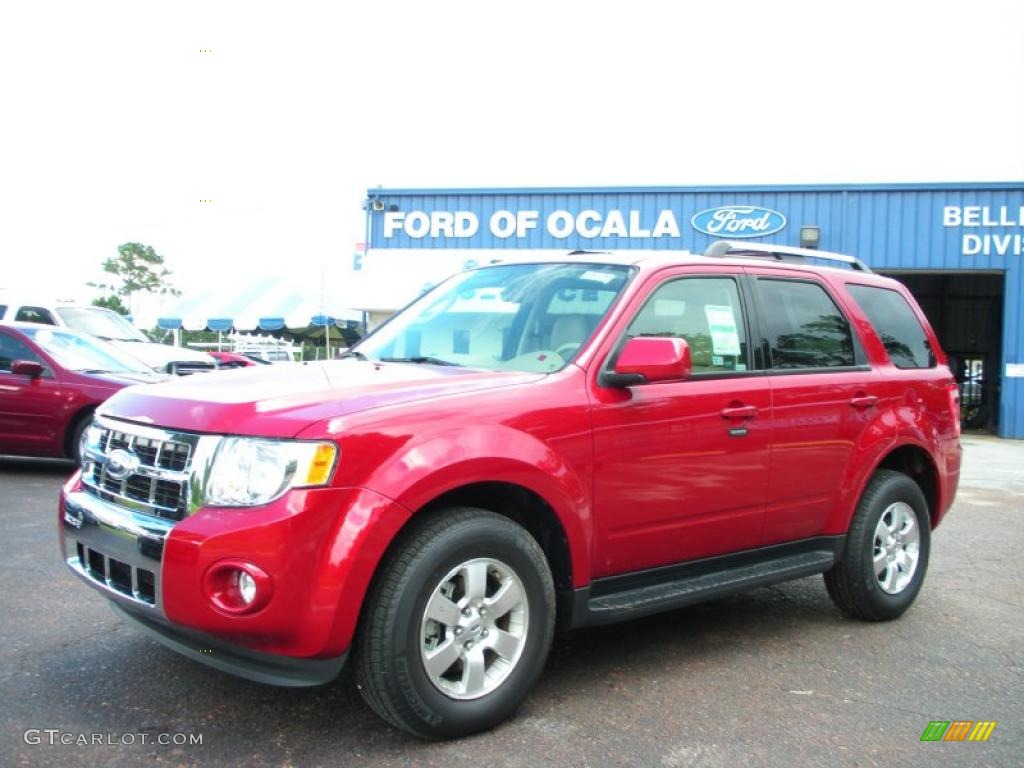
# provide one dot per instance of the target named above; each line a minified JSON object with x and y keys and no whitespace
{"x":781,"y":253}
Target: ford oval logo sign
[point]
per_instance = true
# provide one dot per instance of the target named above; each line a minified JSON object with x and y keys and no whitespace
{"x":121,"y":464}
{"x":730,"y":221}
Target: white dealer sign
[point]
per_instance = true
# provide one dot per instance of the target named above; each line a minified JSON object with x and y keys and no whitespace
{"x":985,"y":217}
{"x":503,"y":224}
{"x":724,"y":221}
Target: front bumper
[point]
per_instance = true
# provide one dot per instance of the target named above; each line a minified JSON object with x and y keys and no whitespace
{"x":120,"y":553}
{"x":115,"y":550}
{"x":320,"y":548}
{"x":258,"y":667}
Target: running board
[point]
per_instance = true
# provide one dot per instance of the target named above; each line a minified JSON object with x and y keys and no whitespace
{"x":628,"y":597}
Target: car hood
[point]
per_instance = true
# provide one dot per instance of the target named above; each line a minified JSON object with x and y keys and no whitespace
{"x":127,"y":378}
{"x":159,"y":355}
{"x":283,"y":399}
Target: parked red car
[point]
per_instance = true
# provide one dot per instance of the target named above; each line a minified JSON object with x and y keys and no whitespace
{"x":232,"y":360}
{"x":575,"y":442}
{"x":51,"y":380}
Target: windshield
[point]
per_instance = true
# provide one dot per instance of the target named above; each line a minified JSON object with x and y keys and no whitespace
{"x":77,"y":352}
{"x":100,"y":322}
{"x":514,"y":317}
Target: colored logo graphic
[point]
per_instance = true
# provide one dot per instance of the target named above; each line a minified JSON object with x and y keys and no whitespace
{"x":738,"y":221}
{"x":958,"y":730}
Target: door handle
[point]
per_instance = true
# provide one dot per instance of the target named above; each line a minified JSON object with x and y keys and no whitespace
{"x":739,"y":412}
{"x":864,"y":401}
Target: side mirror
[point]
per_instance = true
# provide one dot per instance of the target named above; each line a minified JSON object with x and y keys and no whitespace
{"x":649,"y":359}
{"x":29,"y":368}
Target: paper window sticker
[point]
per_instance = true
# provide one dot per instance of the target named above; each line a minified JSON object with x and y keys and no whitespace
{"x":725,"y":337}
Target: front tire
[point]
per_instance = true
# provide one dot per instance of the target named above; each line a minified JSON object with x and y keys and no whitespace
{"x":457,"y":626}
{"x":75,"y":440}
{"x":885,"y":556}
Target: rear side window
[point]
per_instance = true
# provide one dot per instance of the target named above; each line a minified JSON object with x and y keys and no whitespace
{"x":3,"y":311}
{"x":805,"y":328}
{"x":896,"y":325}
{"x":35,"y":315}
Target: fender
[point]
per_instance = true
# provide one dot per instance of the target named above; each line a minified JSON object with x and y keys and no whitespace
{"x":422,"y":470}
{"x":874,"y":446}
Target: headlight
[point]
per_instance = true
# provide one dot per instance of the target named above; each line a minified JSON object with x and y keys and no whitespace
{"x":248,"y":472}
{"x":90,"y":441}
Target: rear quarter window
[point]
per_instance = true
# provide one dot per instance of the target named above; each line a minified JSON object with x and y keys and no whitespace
{"x":894,"y":321}
{"x":35,"y":315}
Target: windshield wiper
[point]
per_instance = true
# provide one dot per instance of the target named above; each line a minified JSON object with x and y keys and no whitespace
{"x":353,"y":353}
{"x":92,"y":370}
{"x":420,"y":360}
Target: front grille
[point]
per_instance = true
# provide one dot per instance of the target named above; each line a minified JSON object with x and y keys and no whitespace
{"x":137,"y":583}
{"x":158,"y":486}
{"x":188,"y":367}
{"x":157,"y":453}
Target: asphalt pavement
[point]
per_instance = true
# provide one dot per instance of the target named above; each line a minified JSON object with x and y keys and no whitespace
{"x":776,"y":676}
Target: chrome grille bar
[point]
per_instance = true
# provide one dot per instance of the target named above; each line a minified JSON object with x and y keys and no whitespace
{"x":159,"y":478}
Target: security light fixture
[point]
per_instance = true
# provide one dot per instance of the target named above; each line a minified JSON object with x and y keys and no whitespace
{"x":810,"y":236}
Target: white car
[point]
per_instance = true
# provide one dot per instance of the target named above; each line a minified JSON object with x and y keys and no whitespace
{"x":112,"y":327}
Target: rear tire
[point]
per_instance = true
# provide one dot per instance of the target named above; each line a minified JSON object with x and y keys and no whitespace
{"x":457,"y":626}
{"x":885,"y":555}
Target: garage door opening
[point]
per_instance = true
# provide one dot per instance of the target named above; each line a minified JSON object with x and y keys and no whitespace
{"x":966,"y":311}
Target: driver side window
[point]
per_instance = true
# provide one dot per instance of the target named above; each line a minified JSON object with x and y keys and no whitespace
{"x":11,"y":349}
{"x":707,"y":313}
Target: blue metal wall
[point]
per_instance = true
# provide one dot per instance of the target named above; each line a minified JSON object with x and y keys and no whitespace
{"x":889,"y":226}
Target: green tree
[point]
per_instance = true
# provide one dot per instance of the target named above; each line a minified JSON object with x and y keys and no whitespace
{"x":111,"y":302}
{"x":206,"y":337}
{"x":136,"y":268}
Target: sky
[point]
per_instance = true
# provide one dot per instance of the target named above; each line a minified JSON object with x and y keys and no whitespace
{"x":239,"y":138}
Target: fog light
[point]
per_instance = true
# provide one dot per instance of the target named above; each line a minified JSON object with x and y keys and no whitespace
{"x":246,"y":587}
{"x":237,"y":586}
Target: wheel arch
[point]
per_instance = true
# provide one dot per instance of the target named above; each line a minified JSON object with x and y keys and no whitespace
{"x":82,"y":414}
{"x":907,"y":456}
{"x":523,"y":506}
{"x":917,"y":463}
{"x":516,"y":501}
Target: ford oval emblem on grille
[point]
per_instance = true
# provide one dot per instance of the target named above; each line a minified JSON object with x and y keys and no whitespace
{"x":121,"y":463}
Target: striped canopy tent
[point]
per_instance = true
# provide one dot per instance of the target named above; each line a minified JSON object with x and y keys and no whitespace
{"x":269,"y":304}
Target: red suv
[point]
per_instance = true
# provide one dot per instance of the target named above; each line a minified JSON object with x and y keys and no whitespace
{"x":531,"y":444}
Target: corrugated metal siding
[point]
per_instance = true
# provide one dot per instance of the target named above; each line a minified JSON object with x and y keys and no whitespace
{"x":1011,"y":410}
{"x":888,"y":226}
